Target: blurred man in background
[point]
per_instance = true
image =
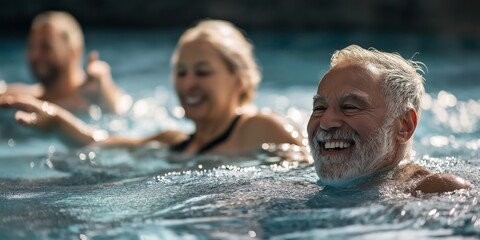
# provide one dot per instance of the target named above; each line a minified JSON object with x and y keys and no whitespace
{"x":55,"y":52}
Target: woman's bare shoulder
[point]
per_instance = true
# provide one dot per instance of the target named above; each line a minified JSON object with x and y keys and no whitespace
{"x":268,"y":128}
{"x":262,"y":123}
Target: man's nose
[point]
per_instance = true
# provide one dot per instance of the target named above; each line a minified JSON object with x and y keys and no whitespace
{"x":330,"y":119}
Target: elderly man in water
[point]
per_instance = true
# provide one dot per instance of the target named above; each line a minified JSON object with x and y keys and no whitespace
{"x":55,"y":51}
{"x":365,"y":112}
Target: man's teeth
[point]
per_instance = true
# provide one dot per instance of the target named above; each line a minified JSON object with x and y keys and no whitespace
{"x":193,"y":100}
{"x":337,"y":144}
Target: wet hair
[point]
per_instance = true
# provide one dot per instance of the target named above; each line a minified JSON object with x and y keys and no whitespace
{"x":65,"y":23}
{"x":402,"y":79}
{"x":235,"y":48}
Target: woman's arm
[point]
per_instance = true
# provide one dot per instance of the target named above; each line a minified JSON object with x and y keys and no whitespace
{"x":50,"y":117}
{"x":46,"y":116}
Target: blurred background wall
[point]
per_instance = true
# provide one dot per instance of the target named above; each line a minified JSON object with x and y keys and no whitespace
{"x":437,"y":16}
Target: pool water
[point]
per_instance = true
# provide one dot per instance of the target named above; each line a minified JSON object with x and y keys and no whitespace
{"x":50,"y":192}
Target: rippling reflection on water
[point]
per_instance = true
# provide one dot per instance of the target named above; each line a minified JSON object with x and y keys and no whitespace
{"x":48,"y":192}
{"x":279,"y":200}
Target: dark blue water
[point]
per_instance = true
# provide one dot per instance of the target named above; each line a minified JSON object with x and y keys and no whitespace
{"x":50,"y":192}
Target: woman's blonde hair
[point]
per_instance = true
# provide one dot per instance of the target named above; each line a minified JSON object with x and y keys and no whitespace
{"x":234,"y":47}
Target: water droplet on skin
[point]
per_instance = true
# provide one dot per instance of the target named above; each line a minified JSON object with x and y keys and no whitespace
{"x":95,"y":112}
{"x":178,"y":112}
{"x":294,"y":134}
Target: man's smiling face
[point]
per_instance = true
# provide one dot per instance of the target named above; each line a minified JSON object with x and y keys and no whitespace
{"x":348,"y":131}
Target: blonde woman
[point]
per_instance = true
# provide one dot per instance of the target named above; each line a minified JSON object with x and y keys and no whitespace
{"x":214,"y":74}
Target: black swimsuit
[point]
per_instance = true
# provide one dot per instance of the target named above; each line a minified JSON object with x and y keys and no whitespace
{"x":215,"y":142}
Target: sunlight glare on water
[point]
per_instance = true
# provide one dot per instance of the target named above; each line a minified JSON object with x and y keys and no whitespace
{"x":50,"y":192}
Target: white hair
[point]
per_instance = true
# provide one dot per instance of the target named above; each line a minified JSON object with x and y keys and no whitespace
{"x":402,"y":79}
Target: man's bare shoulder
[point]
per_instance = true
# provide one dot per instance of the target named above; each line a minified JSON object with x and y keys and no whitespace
{"x":420,"y":179}
{"x":441,"y":182}
{"x":35,"y":90}
{"x":410,"y":171}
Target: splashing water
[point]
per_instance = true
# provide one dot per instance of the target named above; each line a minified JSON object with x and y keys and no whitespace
{"x":50,"y":192}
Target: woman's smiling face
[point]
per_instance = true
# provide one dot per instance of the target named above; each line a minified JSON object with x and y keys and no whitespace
{"x":205,"y":85}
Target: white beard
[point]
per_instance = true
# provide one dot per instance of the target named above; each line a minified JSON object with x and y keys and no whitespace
{"x":366,"y":158}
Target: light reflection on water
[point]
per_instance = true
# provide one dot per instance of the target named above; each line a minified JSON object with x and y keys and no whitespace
{"x":47,"y":192}
{"x":135,"y":194}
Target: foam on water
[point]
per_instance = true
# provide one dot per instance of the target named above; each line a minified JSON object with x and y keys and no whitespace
{"x":280,"y":200}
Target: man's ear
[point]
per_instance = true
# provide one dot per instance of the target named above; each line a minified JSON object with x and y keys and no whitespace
{"x":408,"y":121}
{"x":68,"y":44}
{"x":76,"y":53}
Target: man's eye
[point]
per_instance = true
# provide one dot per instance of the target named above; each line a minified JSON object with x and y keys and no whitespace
{"x":319,"y":109}
{"x":181,"y":74}
{"x":203,"y":73}
{"x":350,"y":108}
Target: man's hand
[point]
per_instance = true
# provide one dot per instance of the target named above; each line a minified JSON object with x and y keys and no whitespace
{"x":101,"y":88}
{"x":98,"y":74}
{"x":30,"y":111}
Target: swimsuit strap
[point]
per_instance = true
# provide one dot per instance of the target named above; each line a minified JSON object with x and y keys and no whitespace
{"x":215,"y":142}
{"x":220,"y":139}
{"x":182,"y":146}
